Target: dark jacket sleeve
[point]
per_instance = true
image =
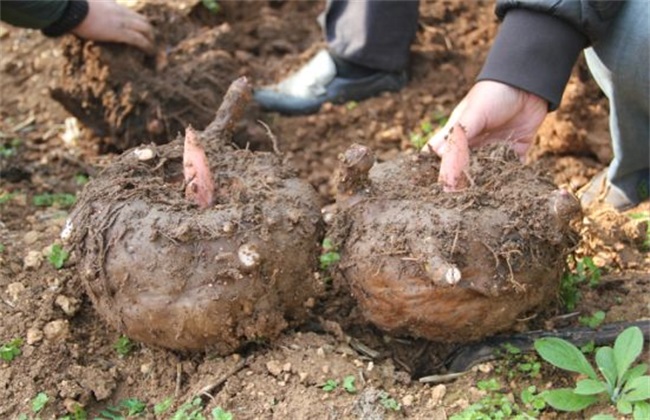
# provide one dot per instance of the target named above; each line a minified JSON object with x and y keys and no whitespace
{"x":52,"y":17}
{"x":539,"y":42}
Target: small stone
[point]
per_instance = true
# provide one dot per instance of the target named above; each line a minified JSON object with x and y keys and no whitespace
{"x":34,"y":335}
{"x":282,"y":383}
{"x":302,"y":376}
{"x":14,"y":290}
{"x":325,"y":369}
{"x":274,"y":367}
{"x":145,"y":368}
{"x":485,"y":367}
{"x":286,"y":367}
{"x":69,"y":306}
{"x":320,"y":352}
{"x":248,"y":255}
{"x":32,"y":260}
{"x":407,"y":401}
{"x":56,"y":330}
{"x":371,"y":366}
{"x":31,"y":237}
{"x":438,"y":393}
{"x":144,"y":154}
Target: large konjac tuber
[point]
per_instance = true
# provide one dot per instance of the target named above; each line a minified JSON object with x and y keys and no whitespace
{"x":450,"y":267}
{"x":230,"y":263}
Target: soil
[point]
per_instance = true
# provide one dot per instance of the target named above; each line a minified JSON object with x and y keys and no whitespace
{"x":69,"y":351}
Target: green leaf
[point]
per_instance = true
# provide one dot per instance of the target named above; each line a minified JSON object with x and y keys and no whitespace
{"x":163,"y":406}
{"x":590,"y":387}
{"x":603,"y":417}
{"x":624,"y":407}
{"x":564,"y":355}
{"x":58,"y":256}
{"x":564,"y":399}
{"x":348,"y":384}
{"x":38,"y":403}
{"x":641,"y":411}
{"x":635,"y":372}
{"x":607,"y":366}
{"x":637,"y":389}
{"x":220,"y":414}
{"x":133,"y":406}
{"x":330,"y":385}
{"x":627,"y":348}
{"x":10,"y":351}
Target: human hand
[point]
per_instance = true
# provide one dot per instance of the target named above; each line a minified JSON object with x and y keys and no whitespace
{"x":111,"y":22}
{"x":491,"y":112}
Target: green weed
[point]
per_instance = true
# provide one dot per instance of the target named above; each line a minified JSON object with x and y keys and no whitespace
{"x":190,"y":411}
{"x":348,"y":384}
{"x":61,"y":200}
{"x":123,"y":346}
{"x":585,"y":272}
{"x":39,"y":402}
{"x":497,"y":405}
{"x":57,"y":256}
{"x":7,"y":151}
{"x":163,"y":406}
{"x":329,"y":255}
{"x":130,"y":407}
{"x":330,"y":385}
{"x":627,"y":387}
{"x":389,"y":403}
{"x":6,"y":197}
{"x":11,"y":350}
{"x":212,"y":5}
{"x":593,"y":321}
{"x":516,"y":363}
{"x":220,"y":414}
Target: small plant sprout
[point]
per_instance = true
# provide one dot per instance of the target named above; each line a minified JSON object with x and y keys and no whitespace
{"x":389,"y":403}
{"x":585,"y":271}
{"x":351,"y":105}
{"x":348,"y":384}
{"x":123,"y":346}
{"x":39,"y":402}
{"x":593,"y":321}
{"x":2,"y":248}
{"x":627,"y":387}
{"x":57,"y":256}
{"x":163,"y":406}
{"x":212,"y":5}
{"x":329,"y":255}
{"x":190,"y":411}
{"x":221,"y":414}
{"x":517,"y":363}
{"x":130,"y":407}
{"x":330,"y":385}
{"x":11,"y":350}
{"x":6,"y":197}
{"x":60,"y":200}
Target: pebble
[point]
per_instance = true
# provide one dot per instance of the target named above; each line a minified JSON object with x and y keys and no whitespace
{"x":274,"y":367}
{"x":485,"y":367}
{"x":34,"y":335}
{"x":407,"y":401}
{"x":14,"y":290}
{"x":69,"y":306}
{"x":71,"y":406}
{"x":56,"y":330}
{"x":302,"y":376}
{"x":32,"y":260}
{"x":31,"y":237}
{"x":145,"y":368}
{"x":438,"y":393}
{"x":286,"y":367}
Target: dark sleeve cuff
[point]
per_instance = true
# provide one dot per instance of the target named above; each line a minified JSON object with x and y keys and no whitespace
{"x":74,"y":13}
{"x":534,"y":52}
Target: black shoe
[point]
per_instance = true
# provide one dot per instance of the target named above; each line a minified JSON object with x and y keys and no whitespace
{"x":317,"y":82}
{"x":601,"y":190}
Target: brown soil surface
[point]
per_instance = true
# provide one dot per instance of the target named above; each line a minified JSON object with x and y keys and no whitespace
{"x":68,"y":351}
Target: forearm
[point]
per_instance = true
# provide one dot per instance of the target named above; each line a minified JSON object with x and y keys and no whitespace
{"x":53,"y":17}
